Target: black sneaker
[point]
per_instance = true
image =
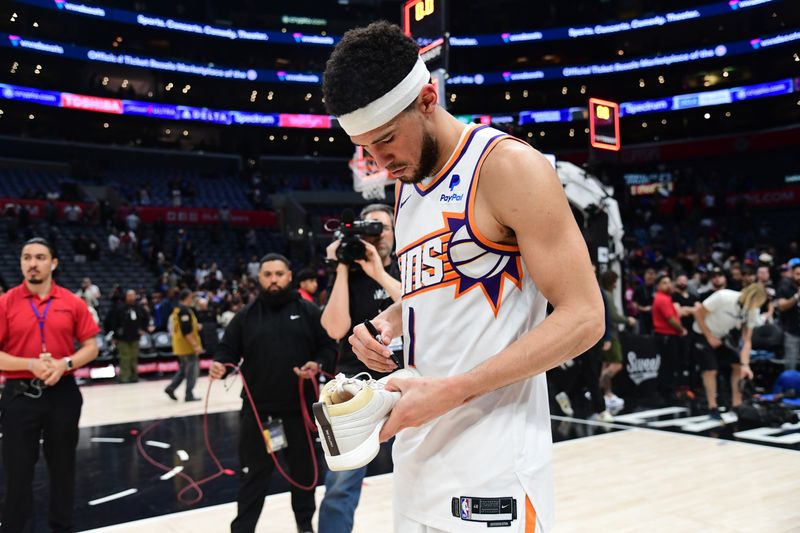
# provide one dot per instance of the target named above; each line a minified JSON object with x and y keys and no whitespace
{"x":192,"y":399}
{"x":714,"y":414}
{"x":171,"y":394}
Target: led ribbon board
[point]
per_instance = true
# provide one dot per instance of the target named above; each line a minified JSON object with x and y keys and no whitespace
{"x":730,"y":49}
{"x":548,"y":34}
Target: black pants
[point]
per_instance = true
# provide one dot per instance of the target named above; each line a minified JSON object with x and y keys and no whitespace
{"x":591,"y":367}
{"x":669,"y":346}
{"x":254,"y":482}
{"x":54,"y":418}
{"x":587,"y":374}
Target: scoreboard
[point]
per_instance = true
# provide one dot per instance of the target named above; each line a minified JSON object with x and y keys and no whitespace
{"x":426,"y":22}
{"x":604,"y":124}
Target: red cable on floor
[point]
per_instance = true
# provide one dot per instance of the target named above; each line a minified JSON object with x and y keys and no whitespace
{"x":309,"y":424}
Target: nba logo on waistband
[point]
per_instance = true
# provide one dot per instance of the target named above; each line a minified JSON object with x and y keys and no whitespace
{"x":466,"y":508}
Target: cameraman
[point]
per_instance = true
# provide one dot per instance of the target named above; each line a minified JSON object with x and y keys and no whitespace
{"x":359,"y":292}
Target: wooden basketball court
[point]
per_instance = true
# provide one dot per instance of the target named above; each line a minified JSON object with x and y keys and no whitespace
{"x":615,"y":478}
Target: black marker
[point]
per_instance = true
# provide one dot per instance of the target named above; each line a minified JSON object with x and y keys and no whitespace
{"x":374,"y":333}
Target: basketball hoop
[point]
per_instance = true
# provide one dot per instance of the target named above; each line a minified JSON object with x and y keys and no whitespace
{"x":368,"y":177}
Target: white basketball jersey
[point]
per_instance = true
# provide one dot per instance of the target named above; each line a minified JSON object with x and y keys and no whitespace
{"x":464,"y":300}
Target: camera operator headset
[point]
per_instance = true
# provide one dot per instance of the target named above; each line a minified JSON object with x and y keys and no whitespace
{"x":366,"y":282}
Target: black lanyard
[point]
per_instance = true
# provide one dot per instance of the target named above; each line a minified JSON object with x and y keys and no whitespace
{"x":41,"y":318}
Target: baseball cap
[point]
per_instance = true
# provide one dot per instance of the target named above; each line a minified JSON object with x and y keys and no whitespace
{"x":793,"y":262}
{"x":717,"y":271}
{"x":765,"y":258}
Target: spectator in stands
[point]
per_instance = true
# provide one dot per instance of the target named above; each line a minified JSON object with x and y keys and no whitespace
{"x":80,"y":245}
{"x":226,"y":316}
{"x":51,"y":213}
{"x":278,"y":338}
{"x":163,"y":304}
{"x":643,"y":298}
{"x":685,"y":303}
{"x":116,"y":295}
{"x":207,"y":318}
{"x":667,"y":328}
{"x":225,"y":217}
{"x":24,"y":217}
{"x":307,"y":284}
{"x":789,"y":307}
{"x":10,"y":212}
{"x":128,"y":321}
{"x":718,"y":282}
{"x":251,"y":239}
{"x":89,"y":292}
{"x":612,"y":352}
{"x":764,"y":277}
{"x":132,"y":221}
{"x":113,"y":242}
{"x":144,"y":196}
{"x":92,"y":249}
{"x":252,"y":267}
{"x":715,"y":319}
{"x":700,"y":282}
{"x":735,"y":283}
{"x":748,"y":276}
{"x":239,"y":268}
{"x":176,"y":197}
{"x":186,"y":345}
{"x":201,"y":272}
{"x":72,"y":213}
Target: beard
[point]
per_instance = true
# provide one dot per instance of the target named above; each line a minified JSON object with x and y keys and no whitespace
{"x":275,"y":299}
{"x":427,"y":160}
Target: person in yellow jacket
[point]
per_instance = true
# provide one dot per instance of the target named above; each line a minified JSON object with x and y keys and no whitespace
{"x":186,"y":345}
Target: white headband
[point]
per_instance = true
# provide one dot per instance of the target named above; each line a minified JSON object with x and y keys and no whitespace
{"x":380,"y":111}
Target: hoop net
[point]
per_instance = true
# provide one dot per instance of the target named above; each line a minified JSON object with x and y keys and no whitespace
{"x":368,"y":177}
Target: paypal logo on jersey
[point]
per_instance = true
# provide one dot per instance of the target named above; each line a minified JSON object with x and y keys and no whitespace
{"x":455,"y":180}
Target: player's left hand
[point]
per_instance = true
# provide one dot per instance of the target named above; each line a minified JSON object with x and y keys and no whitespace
{"x":422,"y":400}
{"x":308,"y":370}
{"x":745,"y":372}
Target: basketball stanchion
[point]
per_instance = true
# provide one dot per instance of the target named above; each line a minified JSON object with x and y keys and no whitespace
{"x":195,"y":485}
{"x":368,"y":177}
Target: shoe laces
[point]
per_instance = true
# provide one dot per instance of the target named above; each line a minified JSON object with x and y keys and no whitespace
{"x":348,"y":387}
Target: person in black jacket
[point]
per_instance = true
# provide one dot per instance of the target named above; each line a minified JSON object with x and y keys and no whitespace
{"x":278,"y":337}
{"x":128,"y":321}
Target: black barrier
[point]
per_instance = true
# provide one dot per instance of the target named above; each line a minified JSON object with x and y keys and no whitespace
{"x":637,"y":382}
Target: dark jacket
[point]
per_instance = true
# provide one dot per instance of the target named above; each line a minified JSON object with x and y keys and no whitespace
{"x":271,"y":342}
{"x":126,"y":321}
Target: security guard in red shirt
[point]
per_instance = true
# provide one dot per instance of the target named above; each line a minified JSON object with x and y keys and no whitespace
{"x":39,"y":324}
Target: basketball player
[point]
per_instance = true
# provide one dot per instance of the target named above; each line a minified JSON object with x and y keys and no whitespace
{"x":485,"y":238}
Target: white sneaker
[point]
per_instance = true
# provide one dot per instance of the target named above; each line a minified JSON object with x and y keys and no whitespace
{"x":350,"y":414}
{"x":563,"y":402}
{"x":614,"y":404}
{"x":605,"y":416}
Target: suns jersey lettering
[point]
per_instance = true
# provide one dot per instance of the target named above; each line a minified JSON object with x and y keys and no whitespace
{"x":464,"y":299}
{"x":422,"y":266}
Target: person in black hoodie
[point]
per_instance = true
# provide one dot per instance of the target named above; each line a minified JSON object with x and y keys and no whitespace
{"x":278,"y":337}
{"x":128,"y":321}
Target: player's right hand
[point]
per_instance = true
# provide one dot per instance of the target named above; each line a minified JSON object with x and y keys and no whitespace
{"x":217,"y":370}
{"x":369,"y":351}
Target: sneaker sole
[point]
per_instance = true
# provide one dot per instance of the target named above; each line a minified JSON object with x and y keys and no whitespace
{"x":360,"y":456}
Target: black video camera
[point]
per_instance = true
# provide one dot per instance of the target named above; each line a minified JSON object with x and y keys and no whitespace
{"x":351,"y":231}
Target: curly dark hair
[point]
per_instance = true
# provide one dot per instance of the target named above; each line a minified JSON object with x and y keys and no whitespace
{"x":366,"y":64}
